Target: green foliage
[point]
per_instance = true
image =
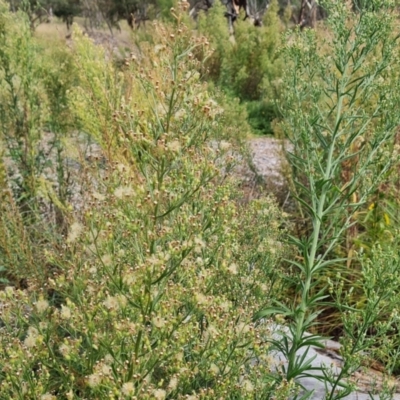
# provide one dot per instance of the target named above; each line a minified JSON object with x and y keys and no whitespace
{"x":148,"y":287}
{"x":36,"y":11}
{"x":214,"y":26}
{"x":23,"y":110}
{"x":247,"y":65}
{"x":34,"y":117}
{"x":152,"y":293}
{"x":67,"y":10}
{"x":371,"y":320}
{"x":341,"y":115}
{"x":165,"y":7}
{"x":377,"y":224}
{"x":21,"y":113}
{"x":260,"y":116}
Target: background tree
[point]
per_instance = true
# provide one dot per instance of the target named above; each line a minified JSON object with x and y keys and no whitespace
{"x":36,"y":11}
{"x":308,"y":14}
{"x":67,"y":10}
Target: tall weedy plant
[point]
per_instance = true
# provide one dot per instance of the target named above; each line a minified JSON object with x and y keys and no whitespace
{"x":21,"y":115}
{"x":34,"y":116}
{"x":154,"y":292}
{"x":340,"y":111}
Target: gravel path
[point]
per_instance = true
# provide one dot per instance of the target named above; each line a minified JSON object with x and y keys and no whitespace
{"x":265,"y":171}
{"x":268,"y":159}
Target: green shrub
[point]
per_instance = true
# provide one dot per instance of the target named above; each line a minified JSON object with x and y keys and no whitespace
{"x":248,"y":65}
{"x":153,"y":293}
{"x":34,"y":118}
{"x":214,"y":26}
{"x":21,"y":110}
{"x":260,"y":116}
{"x":341,"y":115}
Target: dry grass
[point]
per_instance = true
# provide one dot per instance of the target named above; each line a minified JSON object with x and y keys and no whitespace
{"x":58,"y":30}
{"x":54,"y":29}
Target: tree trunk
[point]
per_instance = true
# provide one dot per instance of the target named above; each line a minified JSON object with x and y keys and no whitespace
{"x":308,"y":14}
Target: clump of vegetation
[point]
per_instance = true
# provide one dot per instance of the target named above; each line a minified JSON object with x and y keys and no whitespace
{"x":131,"y":264}
{"x":341,"y":115}
{"x":152,"y":290}
{"x":35,"y":118}
{"x":248,"y":65}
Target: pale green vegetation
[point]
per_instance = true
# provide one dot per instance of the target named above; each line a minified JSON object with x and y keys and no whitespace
{"x":132,"y":264}
{"x":341,"y":113}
